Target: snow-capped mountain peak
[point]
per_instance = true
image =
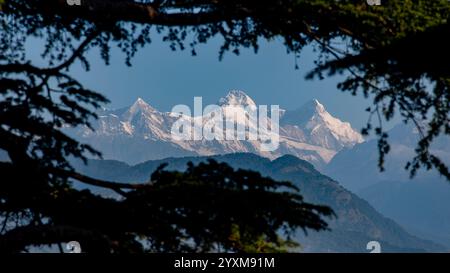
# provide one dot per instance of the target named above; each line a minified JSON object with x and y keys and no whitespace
{"x":139,"y":106}
{"x":318,"y":106}
{"x":313,"y":107}
{"x":141,"y":132}
{"x":236,"y":98}
{"x":320,"y":127}
{"x":139,"y":100}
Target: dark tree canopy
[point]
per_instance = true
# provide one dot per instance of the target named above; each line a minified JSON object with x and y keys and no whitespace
{"x":209,"y":207}
{"x":393,"y":54}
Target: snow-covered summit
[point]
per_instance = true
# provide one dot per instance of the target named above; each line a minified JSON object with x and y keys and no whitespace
{"x":236,"y":98}
{"x":321,"y":128}
{"x":139,"y":106}
{"x":314,"y":106}
{"x":141,"y":132}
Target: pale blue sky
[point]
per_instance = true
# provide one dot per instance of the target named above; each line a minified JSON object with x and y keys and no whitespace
{"x":164,"y":78}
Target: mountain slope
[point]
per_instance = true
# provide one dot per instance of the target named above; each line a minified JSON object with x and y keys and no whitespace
{"x":421,"y":205}
{"x":357,"y":222}
{"x":140,"y":132}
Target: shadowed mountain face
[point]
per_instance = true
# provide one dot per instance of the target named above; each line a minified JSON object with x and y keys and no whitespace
{"x":421,"y":205}
{"x":140,"y":132}
{"x":357,"y":222}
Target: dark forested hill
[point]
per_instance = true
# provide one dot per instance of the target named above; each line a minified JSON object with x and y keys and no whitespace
{"x":357,"y":222}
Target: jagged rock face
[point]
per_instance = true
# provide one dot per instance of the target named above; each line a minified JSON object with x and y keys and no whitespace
{"x":141,"y":132}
